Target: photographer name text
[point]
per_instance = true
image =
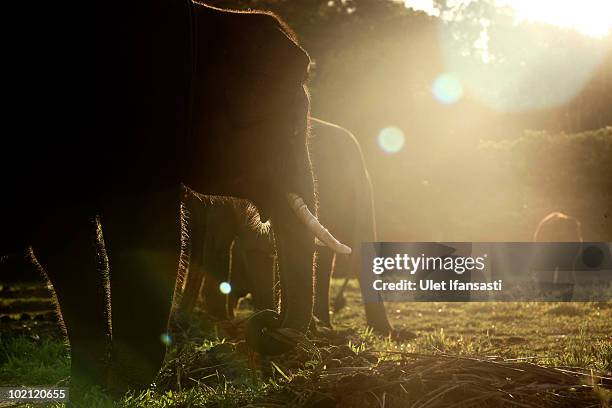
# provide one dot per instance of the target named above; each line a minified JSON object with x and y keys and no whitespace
{"x":431,"y":285}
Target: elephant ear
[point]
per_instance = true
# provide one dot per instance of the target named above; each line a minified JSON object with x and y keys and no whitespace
{"x":267,"y":66}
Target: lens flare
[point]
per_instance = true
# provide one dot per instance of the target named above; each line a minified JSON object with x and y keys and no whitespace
{"x":447,"y":89}
{"x":166,"y":339}
{"x":225,"y":288}
{"x":391,"y":139}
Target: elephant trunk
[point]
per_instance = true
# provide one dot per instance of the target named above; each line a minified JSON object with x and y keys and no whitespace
{"x":300,"y":208}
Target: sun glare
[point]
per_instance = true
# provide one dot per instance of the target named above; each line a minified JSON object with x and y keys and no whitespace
{"x":590,"y":17}
{"x":423,"y":5}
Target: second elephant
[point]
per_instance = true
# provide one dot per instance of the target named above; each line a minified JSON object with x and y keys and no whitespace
{"x":228,"y":244}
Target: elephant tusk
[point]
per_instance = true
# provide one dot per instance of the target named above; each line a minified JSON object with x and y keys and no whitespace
{"x":298,"y":205}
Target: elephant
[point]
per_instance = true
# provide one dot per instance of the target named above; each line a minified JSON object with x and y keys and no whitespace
{"x":221,"y":228}
{"x":154,"y":94}
{"x":554,"y":268}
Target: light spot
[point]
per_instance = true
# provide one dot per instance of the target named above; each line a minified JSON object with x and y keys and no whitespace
{"x":166,"y":339}
{"x":447,"y":89}
{"x":225,"y":288}
{"x":391,"y":139}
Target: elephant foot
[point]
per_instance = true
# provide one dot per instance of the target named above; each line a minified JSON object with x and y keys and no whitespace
{"x":318,"y":325}
{"x":217,"y":314}
{"x":264,"y":334}
{"x":132,"y":369}
{"x":402,"y":335}
{"x":381,"y":329}
{"x":89,"y":367}
{"x":339,"y":303}
{"x":376,"y":318}
{"x":322,"y":329}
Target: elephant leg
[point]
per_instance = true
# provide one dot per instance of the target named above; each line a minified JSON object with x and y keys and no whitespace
{"x":142,"y":235}
{"x":237,"y":279}
{"x":325,"y":264}
{"x":217,"y":263}
{"x":376,"y":315}
{"x":193,"y":286}
{"x":215,"y":302}
{"x":259,"y":270}
{"x":195,"y":270}
{"x":72,"y":259}
{"x":295,"y":252}
{"x":216,"y":233}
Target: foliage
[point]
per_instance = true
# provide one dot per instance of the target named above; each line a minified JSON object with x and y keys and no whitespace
{"x":542,"y":172}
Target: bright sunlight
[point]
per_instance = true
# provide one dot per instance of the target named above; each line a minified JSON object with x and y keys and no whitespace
{"x":590,"y":17}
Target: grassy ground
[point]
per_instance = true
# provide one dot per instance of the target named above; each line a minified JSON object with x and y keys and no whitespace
{"x":560,"y":334}
{"x":448,"y":353}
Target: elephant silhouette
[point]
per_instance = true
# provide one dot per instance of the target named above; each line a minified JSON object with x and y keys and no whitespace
{"x":228,"y":244}
{"x":136,"y":99}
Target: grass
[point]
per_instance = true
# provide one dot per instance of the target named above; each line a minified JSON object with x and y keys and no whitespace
{"x":25,"y":360}
{"x":468,"y":352}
